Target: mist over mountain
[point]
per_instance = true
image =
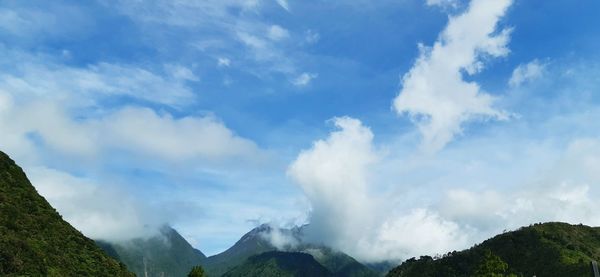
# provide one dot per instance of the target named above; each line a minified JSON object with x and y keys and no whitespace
{"x":365,"y":133}
{"x":36,"y":241}
{"x":166,"y":254}
{"x":266,"y":238}
{"x":548,"y":249}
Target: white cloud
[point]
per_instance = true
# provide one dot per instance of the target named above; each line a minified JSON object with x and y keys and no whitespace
{"x":284,"y":4}
{"x":144,"y":131}
{"x":444,"y":211}
{"x":442,"y":3}
{"x":304,"y":79}
{"x":277,"y":32}
{"x":91,"y":208}
{"x":336,"y":175}
{"x":262,"y":56}
{"x":526,"y":73}
{"x":30,"y":23}
{"x":416,"y":233}
{"x":281,"y":239}
{"x":179,"y":72}
{"x":434,"y":92}
{"x":45,"y":78}
{"x":137,"y":130}
{"x":311,"y":37}
{"x":223,"y":62}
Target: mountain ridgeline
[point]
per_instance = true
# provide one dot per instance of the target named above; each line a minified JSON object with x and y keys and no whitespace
{"x":241,"y":256}
{"x":36,"y":241}
{"x":276,"y":263}
{"x":166,"y":254}
{"x":542,"y":250}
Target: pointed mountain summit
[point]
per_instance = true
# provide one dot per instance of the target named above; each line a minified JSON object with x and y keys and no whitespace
{"x":165,"y":254}
{"x":36,"y":241}
{"x":260,"y":240}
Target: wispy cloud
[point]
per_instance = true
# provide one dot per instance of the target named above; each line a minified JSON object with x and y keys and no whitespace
{"x":304,"y":79}
{"x":527,"y":72}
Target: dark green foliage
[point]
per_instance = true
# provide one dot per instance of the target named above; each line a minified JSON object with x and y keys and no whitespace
{"x":250,"y":244}
{"x":338,"y":263}
{"x":166,"y":254}
{"x":197,"y":271}
{"x":280,"y":264}
{"x":492,"y":266}
{"x":254,"y":243}
{"x":36,"y":241}
{"x":550,"y":249}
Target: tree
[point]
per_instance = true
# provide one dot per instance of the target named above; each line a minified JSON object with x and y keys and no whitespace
{"x":197,"y":271}
{"x":492,"y":266}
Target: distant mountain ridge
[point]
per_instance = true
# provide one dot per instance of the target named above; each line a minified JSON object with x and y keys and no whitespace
{"x":36,"y":241}
{"x":256,"y":242}
{"x":543,"y":250}
{"x":280,"y":264}
{"x":167,"y":254}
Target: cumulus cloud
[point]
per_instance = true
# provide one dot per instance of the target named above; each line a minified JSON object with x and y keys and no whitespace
{"x":526,"y":72}
{"x":350,"y":212}
{"x":434,"y":93}
{"x":335,"y":175}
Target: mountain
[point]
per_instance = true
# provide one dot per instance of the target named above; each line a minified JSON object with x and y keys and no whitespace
{"x":279,"y":264}
{"x":250,"y":244}
{"x":36,"y":241}
{"x":166,"y":254}
{"x":549,"y":249}
{"x":256,"y":242}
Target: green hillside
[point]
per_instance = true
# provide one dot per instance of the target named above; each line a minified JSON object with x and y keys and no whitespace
{"x":254,"y":243}
{"x":250,"y":244}
{"x":279,"y":264}
{"x":36,"y":241}
{"x":166,"y":254}
{"x":549,"y":249}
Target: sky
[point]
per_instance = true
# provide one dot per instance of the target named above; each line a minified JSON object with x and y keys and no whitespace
{"x":393,"y":128}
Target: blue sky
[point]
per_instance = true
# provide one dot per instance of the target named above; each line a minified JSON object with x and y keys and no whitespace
{"x":443,"y":121}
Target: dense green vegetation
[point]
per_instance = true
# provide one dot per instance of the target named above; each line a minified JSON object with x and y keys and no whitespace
{"x":166,"y":254}
{"x":549,"y":249}
{"x":36,"y":241}
{"x":338,"y":263}
{"x":250,"y":244}
{"x":280,"y":264}
{"x":197,"y":271}
{"x":254,"y":243}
